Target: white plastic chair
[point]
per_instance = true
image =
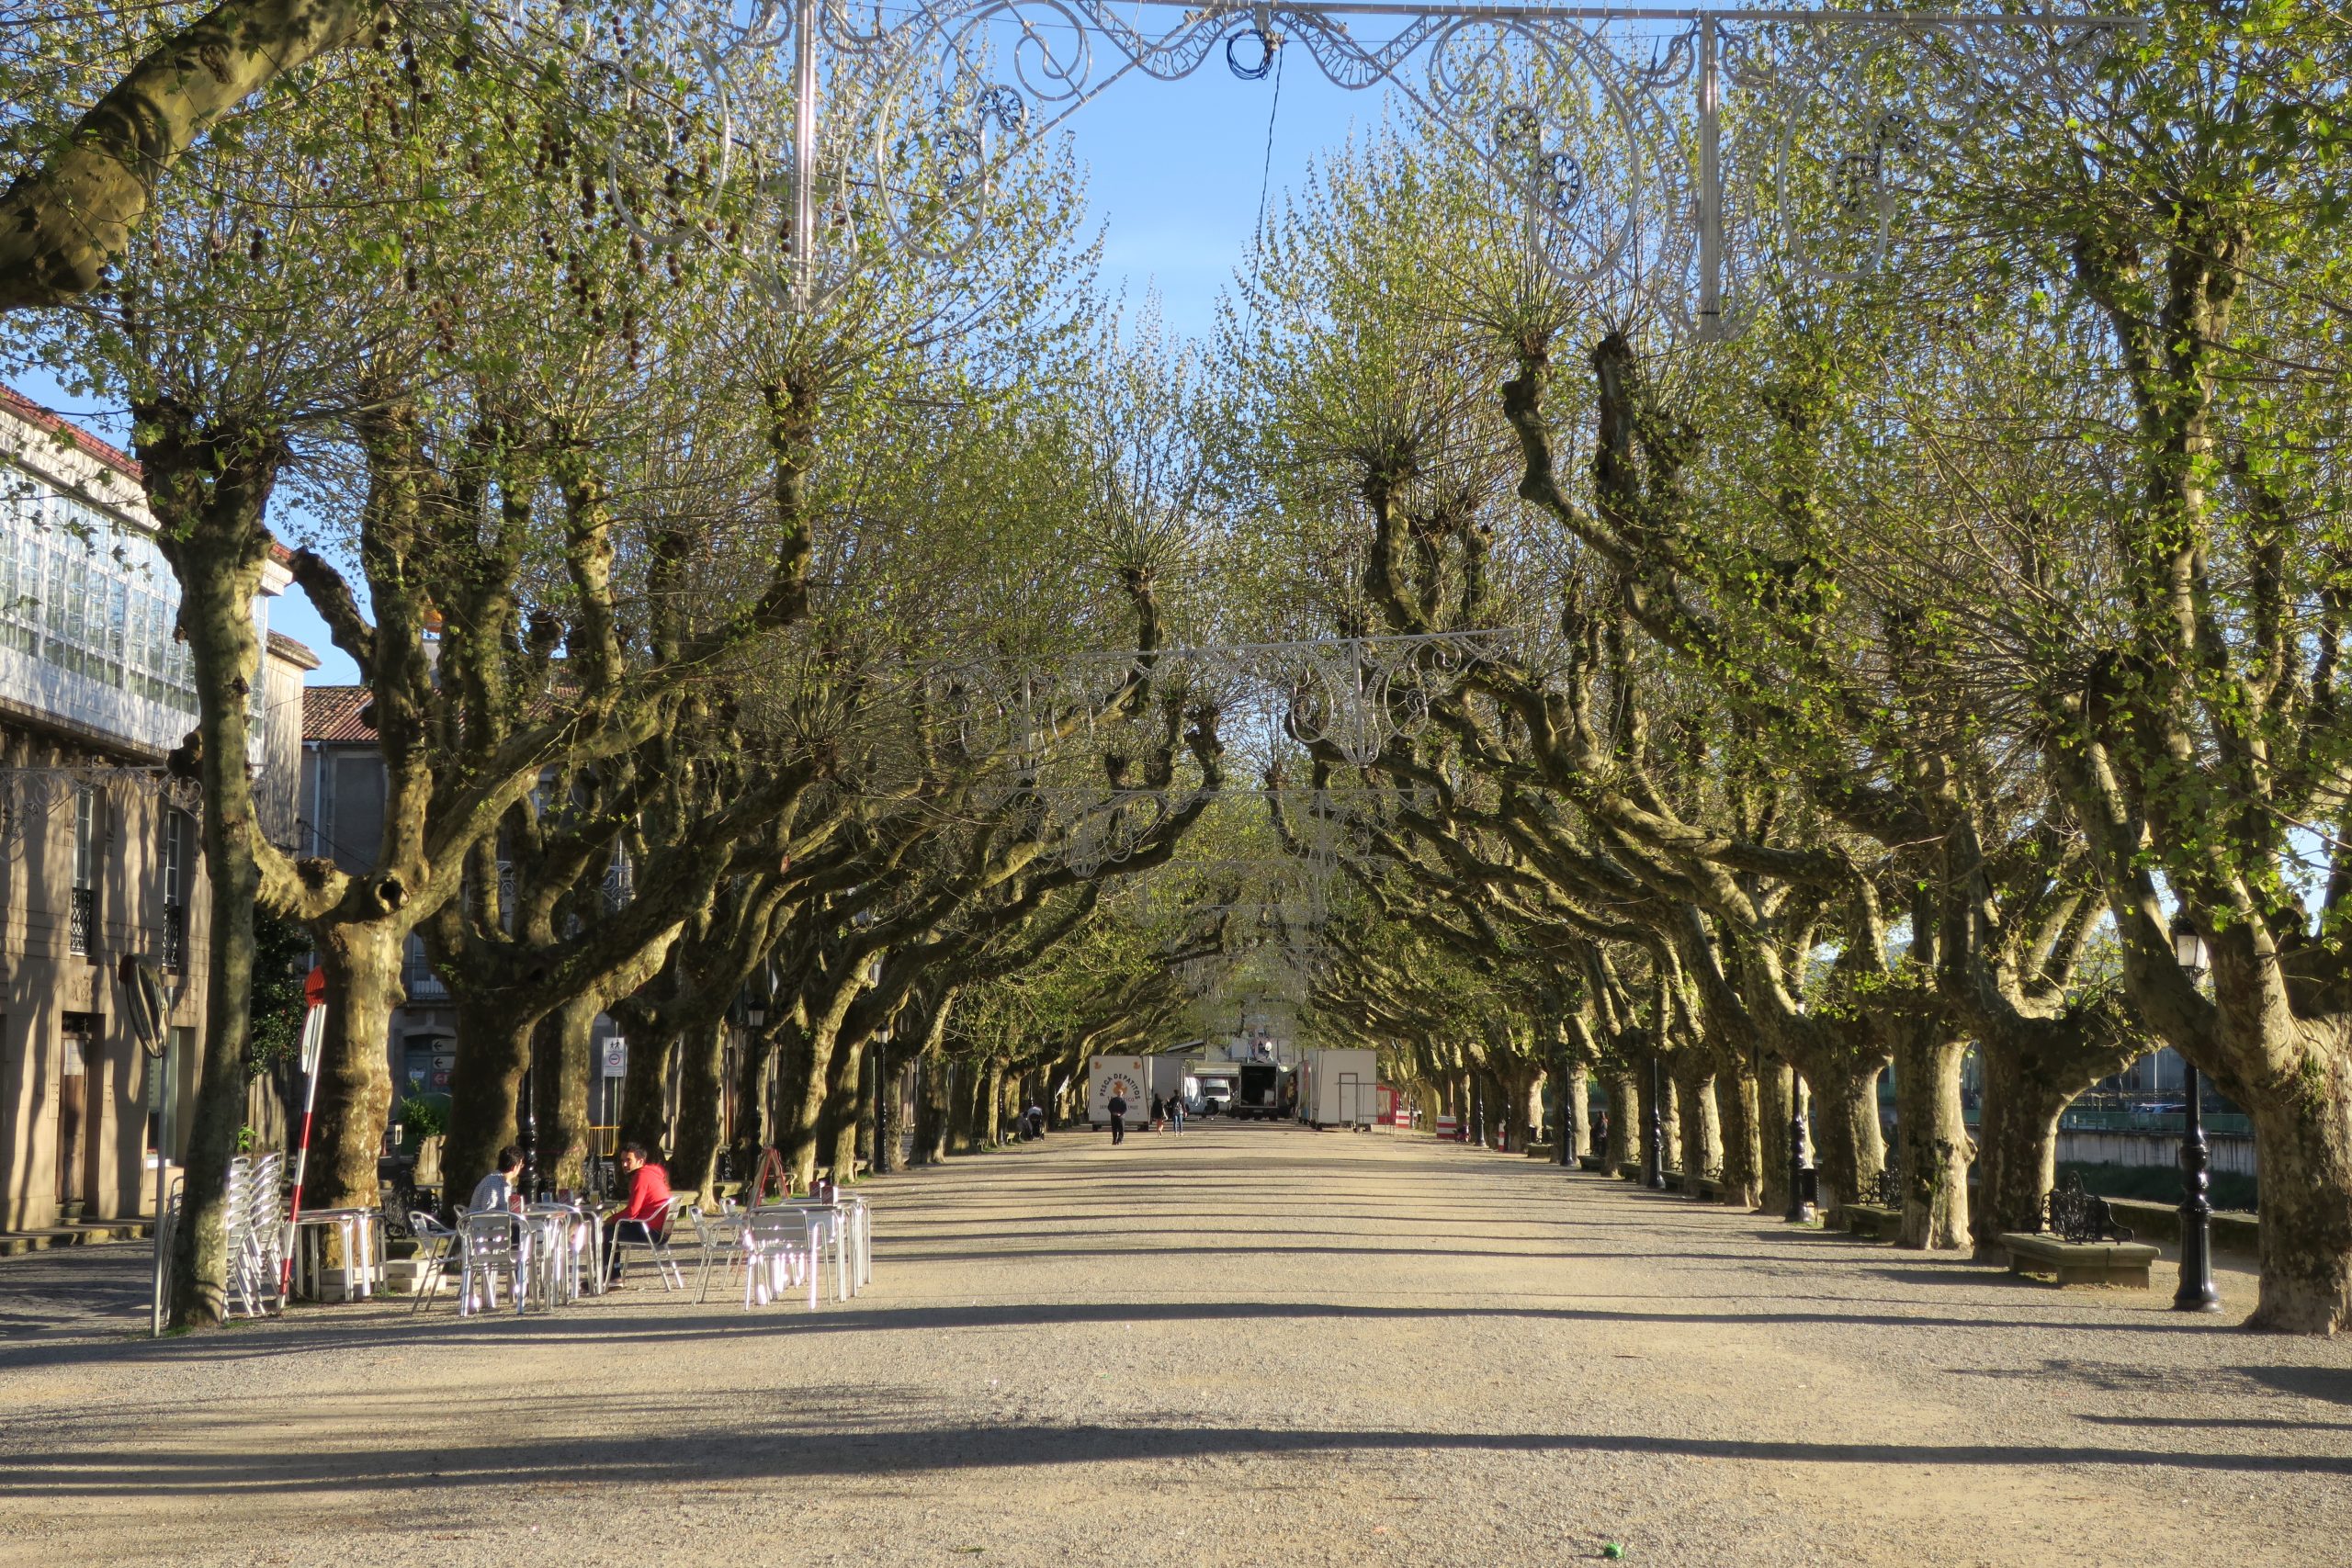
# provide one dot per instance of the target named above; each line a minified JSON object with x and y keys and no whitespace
{"x":720,"y":1239}
{"x":435,"y":1243}
{"x":652,"y":1238}
{"x":493,"y":1246}
{"x":779,"y":1251}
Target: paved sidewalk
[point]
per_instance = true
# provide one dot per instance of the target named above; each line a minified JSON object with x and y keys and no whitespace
{"x":1248,"y":1346}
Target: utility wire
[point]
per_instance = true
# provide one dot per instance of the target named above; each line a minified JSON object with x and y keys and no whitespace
{"x":1265,"y":183}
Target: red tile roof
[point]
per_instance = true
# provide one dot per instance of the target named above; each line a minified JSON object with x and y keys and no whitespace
{"x":32,"y":413}
{"x":105,"y":452}
{"x":332,"y":713}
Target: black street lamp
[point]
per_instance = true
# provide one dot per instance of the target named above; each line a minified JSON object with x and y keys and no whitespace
{"x":526,"y":1118}
{"x":2196,"y":1293}
{"x":1656,"y":1181}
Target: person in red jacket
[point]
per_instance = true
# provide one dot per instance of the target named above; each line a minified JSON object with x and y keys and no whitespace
{"x":647,"y":1190}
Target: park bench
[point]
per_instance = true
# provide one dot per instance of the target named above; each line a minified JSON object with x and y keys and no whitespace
{"x":1881,"y":1219}
{"x":1710,"y":1187}
{"x":2084,"y":1246}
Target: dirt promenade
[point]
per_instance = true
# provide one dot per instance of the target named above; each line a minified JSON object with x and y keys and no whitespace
{"x":1248,"y":1346}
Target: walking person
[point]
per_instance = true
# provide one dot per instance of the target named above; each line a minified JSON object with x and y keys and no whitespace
{"x":1159,"y":1110}
{"x":1176,"y":1112}
{"x":1118,"y":1109}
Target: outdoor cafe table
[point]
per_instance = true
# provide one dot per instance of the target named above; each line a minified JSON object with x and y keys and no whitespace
{"x":552,"y":1261}
{"x":361,"y":1232}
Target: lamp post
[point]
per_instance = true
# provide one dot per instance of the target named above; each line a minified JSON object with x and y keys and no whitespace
{"x":2196,"y":1293}
{"x":526,"y":1118}
{"x":1655,"y":1181}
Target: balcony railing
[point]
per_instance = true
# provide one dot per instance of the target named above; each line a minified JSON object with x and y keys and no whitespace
{"x":82,"y":923}
{"x":175,"y":938}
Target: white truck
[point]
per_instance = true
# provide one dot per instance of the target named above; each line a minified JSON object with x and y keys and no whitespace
{"x":1129,"y":1077}
{"x":1171,"y":1076}
{"x":1338,"y":1088}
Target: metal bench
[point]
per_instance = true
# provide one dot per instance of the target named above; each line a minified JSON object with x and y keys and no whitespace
{"x":1881,"y":1219}
{"x":2084,"y":1246}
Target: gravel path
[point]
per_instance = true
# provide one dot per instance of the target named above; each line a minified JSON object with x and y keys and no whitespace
{"x":1248,"y":1346}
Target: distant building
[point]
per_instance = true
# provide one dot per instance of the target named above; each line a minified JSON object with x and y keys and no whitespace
{"x":99,"y":850}
{"x":343,"y":783}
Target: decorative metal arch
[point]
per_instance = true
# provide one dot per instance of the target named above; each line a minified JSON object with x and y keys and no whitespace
{"x":1725,"y":137}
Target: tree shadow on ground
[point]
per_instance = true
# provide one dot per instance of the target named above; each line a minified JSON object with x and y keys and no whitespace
{"x":793,"y":1446}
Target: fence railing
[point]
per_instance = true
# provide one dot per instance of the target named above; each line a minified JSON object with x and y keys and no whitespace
{"x":2172,"y":1122}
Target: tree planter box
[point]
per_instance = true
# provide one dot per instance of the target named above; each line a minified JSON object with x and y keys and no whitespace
{"x":1589,"y":1162}
{"x":1874,"y":1222}
{"x":404,"y":1276}
{"x":2080,"y":1262}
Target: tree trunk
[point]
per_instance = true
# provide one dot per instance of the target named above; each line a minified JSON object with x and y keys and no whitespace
{"x":1703,"y":1135}
{"x":1670,"y":1120}
{"x":1743,"y":1149}
{"x":1848,"y":1147}
{"x":1576,"y":1111}
{"x":561,"y":1091}
{"x":2017,"y":1147}
{"x":645,"y":1092}
{"x":493,"y":1048}
{"x":931,"y":1073}
{"x":869,"y":1080}
{"x":694,"y":1165}
{"x":1933,"y":1133}
{"x":216,"y":614}
{"x":1625,"y":1119}
{"x":840,"y":1148}
{"x":889,"y":1134}
{"x":804,"y":1109}
{"x":362,"y":959}
{"x":2303,"y":1144}
{"x":1775,"y":1083}
{"x":754,"y":1063}
{"x":991,"y":1104}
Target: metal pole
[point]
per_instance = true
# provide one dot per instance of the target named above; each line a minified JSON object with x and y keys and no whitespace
{"x":1710,"y":187}
{"x":1800,"y":1212}
{"x":526,"y":1121}
{"x":156,"y":1092}
{"x":1655,"y":1179}
{"x":804,"y":153}
{"x":1565,"y":1135}
{"x":314,"y":1025}
{"x":2196,"y":1293}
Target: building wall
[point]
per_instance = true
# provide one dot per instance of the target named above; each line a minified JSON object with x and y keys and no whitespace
{"x":93,"y":693}
{"x":47,"y":984}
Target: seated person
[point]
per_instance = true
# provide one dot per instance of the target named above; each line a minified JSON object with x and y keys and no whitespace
{"x":498,"y":1190}
{"x":647,"y":1188}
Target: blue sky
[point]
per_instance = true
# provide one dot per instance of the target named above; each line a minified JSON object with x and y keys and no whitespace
{"x":1175,"y":172}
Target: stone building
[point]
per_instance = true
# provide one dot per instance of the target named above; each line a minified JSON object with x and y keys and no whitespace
{"x":99,"y":849}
